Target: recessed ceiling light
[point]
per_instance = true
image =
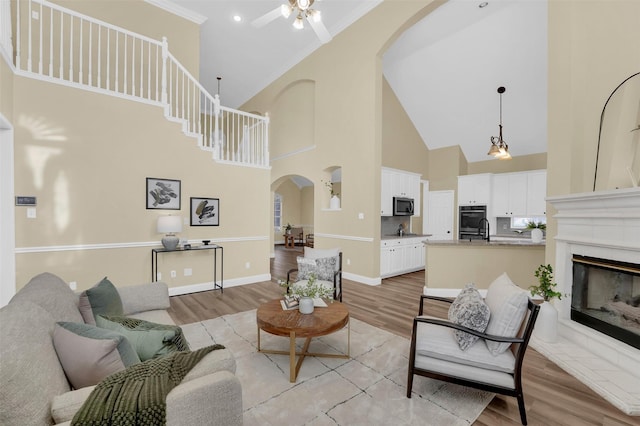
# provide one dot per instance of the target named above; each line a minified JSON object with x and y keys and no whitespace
{"x":237,"y":18}
{"x":483,"y":4}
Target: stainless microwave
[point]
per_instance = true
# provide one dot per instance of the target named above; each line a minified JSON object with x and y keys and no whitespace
{"x":402,"y":206}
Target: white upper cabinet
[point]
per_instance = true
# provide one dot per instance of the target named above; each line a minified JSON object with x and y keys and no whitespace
{"x":386,"y":199}
{"x":509,"y":194}
{"x":519,"y":194}
{"x":474,"y":189}
{"x":536,"y":193}
{"x":398,"y":183}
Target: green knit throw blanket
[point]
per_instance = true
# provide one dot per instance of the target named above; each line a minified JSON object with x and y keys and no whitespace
{"x":137,"y":395}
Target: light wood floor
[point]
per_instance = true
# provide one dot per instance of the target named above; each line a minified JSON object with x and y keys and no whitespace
{"x":552,"y":396}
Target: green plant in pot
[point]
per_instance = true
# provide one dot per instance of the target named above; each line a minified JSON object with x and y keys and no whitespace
{"x":308,"y":291}
{"x":547,"y":322}
{"x":537,"y":229}
{"x":536,"y":225}
{"x":288,"y":228}
{"x":546,"y":289}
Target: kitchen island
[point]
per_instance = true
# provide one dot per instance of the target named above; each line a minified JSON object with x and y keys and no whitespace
{"x":453,"y":264}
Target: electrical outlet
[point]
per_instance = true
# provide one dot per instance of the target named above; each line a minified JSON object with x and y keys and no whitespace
{"x":247,"y":265}
{"x":188,"y":272}
{"x":348,"y":261}
{"x":73,"y":285}
{"x":159,"y":276}
{"x":360,"y":216}
{"x":35,"y":15}
{"x":173,"y":274}
{"x":31,"y":212}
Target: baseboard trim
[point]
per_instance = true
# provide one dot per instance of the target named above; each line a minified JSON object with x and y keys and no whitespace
{"x":361,"y":279}
{"x":234,"y":282}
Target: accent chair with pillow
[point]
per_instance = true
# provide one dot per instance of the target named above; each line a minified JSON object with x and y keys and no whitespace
{"x":326,"y":264}
{"x":481,"y":345}
{"x":51,"y":360}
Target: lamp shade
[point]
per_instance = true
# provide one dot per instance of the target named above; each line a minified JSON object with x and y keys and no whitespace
{"x":169,"y":224}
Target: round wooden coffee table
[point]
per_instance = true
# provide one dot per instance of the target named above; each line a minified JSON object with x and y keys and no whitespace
{"x":275,"y":320}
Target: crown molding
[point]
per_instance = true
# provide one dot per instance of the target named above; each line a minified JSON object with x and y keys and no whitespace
{"x":179,"y":11}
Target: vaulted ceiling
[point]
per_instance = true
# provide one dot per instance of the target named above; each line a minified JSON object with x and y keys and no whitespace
{"x":445,"y":70}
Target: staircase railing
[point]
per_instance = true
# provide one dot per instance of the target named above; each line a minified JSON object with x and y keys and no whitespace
{"x":62,"y":46}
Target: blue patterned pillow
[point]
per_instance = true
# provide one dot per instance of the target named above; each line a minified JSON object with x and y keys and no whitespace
{"x":306,"y":267}
{"x":469,"y":310}
{"x":323,"y":268}
{"x":326,"y":267}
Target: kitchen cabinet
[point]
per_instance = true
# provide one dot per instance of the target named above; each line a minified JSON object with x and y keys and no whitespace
{"x":474,"y":189}
{"x":519,"y":194}
{"x":509,"y":194}
{"x":402,"y":255}
{"x":536,"y":193}
{"x":398,"y":183}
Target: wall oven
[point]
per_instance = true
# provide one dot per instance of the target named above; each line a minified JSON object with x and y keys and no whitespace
{"x":471,"y":225}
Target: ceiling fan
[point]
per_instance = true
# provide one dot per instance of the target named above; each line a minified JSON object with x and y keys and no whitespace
{"x":302,"y":10}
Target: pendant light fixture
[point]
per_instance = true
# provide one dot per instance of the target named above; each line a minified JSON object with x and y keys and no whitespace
{"x":499,"y":148}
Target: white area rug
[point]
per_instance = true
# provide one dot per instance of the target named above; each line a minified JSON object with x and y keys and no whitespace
{"x":368,"y":389}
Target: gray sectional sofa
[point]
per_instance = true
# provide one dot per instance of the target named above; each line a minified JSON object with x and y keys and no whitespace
{"x":35,"y":391}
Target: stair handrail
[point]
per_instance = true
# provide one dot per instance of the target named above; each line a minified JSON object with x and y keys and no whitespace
{"x":153,"y":76}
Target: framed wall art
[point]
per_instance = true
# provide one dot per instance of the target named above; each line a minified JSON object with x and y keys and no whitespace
{"x":205,"y":211}
{"x":163,"y":194}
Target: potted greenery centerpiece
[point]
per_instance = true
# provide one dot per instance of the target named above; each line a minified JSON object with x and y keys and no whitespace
{"x":307,"y":291}
{"x":547,"y":323}
{"x":537,"y":229}
{"x":334,"y":203}
{"x":287,"y":229}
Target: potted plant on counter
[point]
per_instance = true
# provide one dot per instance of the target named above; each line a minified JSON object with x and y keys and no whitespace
{"x":537,"y":229}
{"x":547,"y":323}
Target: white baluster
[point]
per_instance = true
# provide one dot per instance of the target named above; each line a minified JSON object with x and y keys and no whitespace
{"x":165,"y":49}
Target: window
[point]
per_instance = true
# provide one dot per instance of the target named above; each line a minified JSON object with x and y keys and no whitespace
{"x":277,"y":212}
{"x":521,"y":222}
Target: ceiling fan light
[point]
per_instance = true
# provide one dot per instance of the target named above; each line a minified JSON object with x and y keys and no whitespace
{"x":298,"y":23}
{"x":303,"y":4}
{"x":285,"y":9}
{"x":316,"y":16}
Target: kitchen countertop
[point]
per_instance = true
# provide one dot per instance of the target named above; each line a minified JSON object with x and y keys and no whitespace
{"x":398,"y":237}
{"x":521,"y":242}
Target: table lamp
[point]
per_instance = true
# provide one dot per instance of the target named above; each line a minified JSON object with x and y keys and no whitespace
{"x":169,"y":225}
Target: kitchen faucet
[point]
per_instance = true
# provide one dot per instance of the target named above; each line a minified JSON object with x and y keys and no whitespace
{"x":484,"y":219}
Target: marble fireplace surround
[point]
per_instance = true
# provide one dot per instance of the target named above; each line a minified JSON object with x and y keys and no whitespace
{"x":605,"y":225}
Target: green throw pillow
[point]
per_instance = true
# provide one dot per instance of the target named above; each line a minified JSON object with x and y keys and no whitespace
{"x":88,"y":354}
{"x":101,"y":299}
{"x":149,"y":339}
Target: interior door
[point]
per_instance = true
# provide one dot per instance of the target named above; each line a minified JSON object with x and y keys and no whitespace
{"x":440,"y":215}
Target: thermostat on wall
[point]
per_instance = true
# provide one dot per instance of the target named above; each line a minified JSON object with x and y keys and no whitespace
{"x":25,"y":201}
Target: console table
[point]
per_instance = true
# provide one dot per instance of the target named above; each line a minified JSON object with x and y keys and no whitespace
{"x":214,"y":247}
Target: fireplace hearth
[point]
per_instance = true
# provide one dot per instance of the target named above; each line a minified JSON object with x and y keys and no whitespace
{"x":606,"y":297}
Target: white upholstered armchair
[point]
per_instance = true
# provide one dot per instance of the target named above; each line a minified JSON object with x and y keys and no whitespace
{"x":479,"y":346}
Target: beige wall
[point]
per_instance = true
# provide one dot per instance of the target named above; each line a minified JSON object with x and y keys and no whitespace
{"x":402,"y":146}
{"x":458,"y":265}
{"x":6,"y":90}
{"x":89,"y":176}
{"x":516,"y":164}
{"x":593,"y":47}
{"x":347,"y":122}
{"x":183,"y":36}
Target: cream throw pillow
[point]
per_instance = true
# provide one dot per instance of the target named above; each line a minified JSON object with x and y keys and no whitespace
{"x":508,"y":305}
